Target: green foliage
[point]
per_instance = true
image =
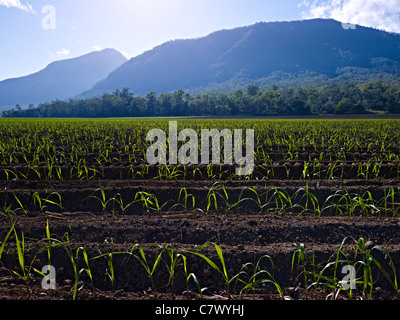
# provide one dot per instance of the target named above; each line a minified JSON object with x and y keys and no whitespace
{"x":324,"y":99}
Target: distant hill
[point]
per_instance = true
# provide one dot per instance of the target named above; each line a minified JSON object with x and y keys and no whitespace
{"x":61,"y":79}
{"x":281,"y":53}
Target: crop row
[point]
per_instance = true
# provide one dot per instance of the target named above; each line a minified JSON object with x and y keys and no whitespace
{"x":65,"y":138}
{"x":217,"y":198}
{"x":24,"y":258}
{"x":139,"y":156}
{"x":275,"y":170}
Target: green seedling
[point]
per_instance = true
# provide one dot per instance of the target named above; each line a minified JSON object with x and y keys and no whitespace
{"x":191,"y":275}
{"x":221,"y":270}
{"x":21,"y":206}
{"x":143,"y":261}
{"x":3,"y":243}
{"x":102,"y":199}
{"x":260,"y":276}
{"x":171,"y":266}
{"x":25,"y":269}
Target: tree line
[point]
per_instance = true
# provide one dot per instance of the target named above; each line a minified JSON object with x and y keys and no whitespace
{"x":372,"y":97}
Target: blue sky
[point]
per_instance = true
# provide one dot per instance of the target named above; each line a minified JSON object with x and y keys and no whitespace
{"x":34,"y":33}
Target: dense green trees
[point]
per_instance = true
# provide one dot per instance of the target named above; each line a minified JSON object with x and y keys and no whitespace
{"x":328,"y":99}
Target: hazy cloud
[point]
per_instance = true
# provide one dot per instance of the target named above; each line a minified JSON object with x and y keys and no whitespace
{"x":97,"y":48}
{"x":380,"y":14}
{"x":17,"y":4}
{"x":63,"y":52}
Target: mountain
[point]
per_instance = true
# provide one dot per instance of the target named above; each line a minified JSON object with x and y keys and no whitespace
{"x":299,"y":52}
{"x":61,"y":79}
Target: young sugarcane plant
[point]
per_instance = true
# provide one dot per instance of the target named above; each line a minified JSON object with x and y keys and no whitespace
{"x":78,"y":272}
{"x":3,"y":243}
{"x":174,"y":261}
{"x":191,"y":275}
{"x":42,"y":202}
{"x":110,"y":270}
{"x":74,"y":259}
{"x":392,"y":279}
{"x":258,"y":278}
{"x":25,"y":270}
{"x":306,"y":199}
{"x":21,"y":206}
{"x":150,"y":270}
{"x":183,"y":201}
{"x":118,"y":199}
{"x":221,"y":270}
{"x":102,"y":199}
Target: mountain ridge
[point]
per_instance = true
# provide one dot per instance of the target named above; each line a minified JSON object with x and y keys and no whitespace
{"x":323,"y":47}
{"x":284,"y":53}
{"x":60,"y":79}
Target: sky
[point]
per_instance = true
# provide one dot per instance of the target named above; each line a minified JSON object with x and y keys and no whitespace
{"x":33,"y":33}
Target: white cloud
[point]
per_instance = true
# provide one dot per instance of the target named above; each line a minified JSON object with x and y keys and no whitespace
{"x":58,"y":54}
{"x":96,"y":48}
{"x":380,"y":14}
{"x":63,"y":52}
{"x":17,"y":4}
